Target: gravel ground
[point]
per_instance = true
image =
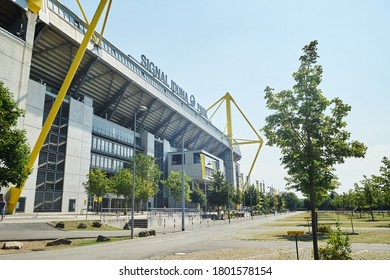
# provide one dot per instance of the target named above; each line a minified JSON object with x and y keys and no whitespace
{"x":267,"y":254}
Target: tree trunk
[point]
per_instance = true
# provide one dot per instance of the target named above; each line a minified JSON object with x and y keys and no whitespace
{"x":314,"y":223}
{"x":372,"y":213}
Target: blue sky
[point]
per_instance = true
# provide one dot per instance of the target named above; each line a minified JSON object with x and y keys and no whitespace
{"x":210,"y":47}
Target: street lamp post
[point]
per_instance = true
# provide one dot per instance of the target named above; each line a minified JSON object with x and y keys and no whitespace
{"x":183,"y":201}
{"x":205,"y":193}
{"x":140,"y":110}
{"x":205,"y":186}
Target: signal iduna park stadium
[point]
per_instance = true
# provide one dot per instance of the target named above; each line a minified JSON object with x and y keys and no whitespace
{"x":101,"y":112}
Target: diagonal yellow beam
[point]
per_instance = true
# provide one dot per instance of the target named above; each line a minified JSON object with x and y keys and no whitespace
{"x":104,"y":23}
{"x":60,"y":97}
{"x":65,"y":85}
{"x":85,"y":19}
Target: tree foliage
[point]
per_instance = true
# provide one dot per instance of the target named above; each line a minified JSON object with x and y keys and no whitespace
{"x":310,"y":131}
{"x":218,"y":191}
{"x":371,"y":190}
{"x":237,"y":197}
{"x":147,"y":177}
{"x":338,"y":246}
{"x":174,"y":185}
{"x":14,"y":148}
{"x":121,"y":184}
{"x":97,"y":183}
{"x":198,"y":196}
{"x":384,"y":180}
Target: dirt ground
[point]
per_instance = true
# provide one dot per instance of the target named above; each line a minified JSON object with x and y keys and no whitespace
{"x":32,"y":246}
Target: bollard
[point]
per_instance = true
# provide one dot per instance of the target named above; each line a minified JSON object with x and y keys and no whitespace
{"x":174,"y":225}
{"x":164,"y":226}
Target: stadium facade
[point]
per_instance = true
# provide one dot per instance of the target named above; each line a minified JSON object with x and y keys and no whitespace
{"x":95,"y":125}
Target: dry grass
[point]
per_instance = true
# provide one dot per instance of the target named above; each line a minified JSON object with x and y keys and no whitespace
{"x":40,"y":245}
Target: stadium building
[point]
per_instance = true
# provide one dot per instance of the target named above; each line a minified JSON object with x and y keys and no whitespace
{"x":95,"y":125}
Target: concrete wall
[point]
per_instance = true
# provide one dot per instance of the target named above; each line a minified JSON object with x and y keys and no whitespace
{"x":78,"y":154}
{"x":148,"y":143}
{"x":35,"y":100}
{"x":15,"y":61}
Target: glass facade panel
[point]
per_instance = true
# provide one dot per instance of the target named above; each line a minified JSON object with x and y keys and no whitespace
{"x":50,"y":179}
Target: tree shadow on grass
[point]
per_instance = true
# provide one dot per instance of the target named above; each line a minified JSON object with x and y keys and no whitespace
{"x":304,"y":238}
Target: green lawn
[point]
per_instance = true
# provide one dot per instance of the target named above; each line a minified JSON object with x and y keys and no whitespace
{"x":365,"y":230}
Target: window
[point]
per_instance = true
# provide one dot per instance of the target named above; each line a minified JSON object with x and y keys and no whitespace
{"x":94,"y":142}
{"x":177,"y":159}
{"x":196,"y":157}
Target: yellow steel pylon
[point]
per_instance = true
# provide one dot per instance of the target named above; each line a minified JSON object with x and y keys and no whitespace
{"x":35,"y":7}
{"x":229,"y":99}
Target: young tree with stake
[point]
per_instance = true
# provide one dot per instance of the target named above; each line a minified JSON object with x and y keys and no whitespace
{"x":310,"y":131}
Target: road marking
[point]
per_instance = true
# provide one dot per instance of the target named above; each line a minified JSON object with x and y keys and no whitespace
{"x":164,"y":240}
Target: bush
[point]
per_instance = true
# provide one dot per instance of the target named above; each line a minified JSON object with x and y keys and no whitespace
{"x":338,"y":246}
{"x":323,"y":228}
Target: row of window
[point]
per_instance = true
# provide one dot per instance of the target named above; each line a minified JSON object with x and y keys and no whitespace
{"x":107,"y":163}
{"x":109,"y":147}
{"x":59,"y":10}
{"x":210,"y":162}
{"x":112,"y":130}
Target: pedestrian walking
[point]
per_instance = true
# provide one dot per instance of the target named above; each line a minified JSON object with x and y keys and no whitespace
{"x":2,"y":208}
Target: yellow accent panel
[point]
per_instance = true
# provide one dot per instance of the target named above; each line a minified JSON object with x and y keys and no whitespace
{"x":203,"y":165}
{"x":35,"y":6}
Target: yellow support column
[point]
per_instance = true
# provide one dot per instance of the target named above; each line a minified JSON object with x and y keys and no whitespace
{"x":61,"y":94}
{"x":35,"y":6}
{"x":228,"y":99}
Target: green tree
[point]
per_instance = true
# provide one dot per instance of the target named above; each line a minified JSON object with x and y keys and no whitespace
{"x":237,"y":197}
{"x":254,"y":199}
{"x":291,"y":200}
{"x":174,"y":185}
{"x":14,"y":148}
{"x":147,"y":177}
{"x":121,"y":184}
{"x":311,"y":141}
{"x":97,"y":183}
{"x":197,"y":196}
{"x":384,"y":181}
{"x":275,"y":202}
{"x":358,"y":197}
{"x":218,"y":191}
{"x":371,"y":190}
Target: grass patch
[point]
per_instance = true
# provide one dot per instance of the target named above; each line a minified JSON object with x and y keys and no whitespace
{"x":366,"y":231}
{"x":271,"y":235}
{"x":40,"y":245}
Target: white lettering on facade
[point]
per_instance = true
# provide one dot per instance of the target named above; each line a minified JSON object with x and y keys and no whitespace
{"x":175,"y":88}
